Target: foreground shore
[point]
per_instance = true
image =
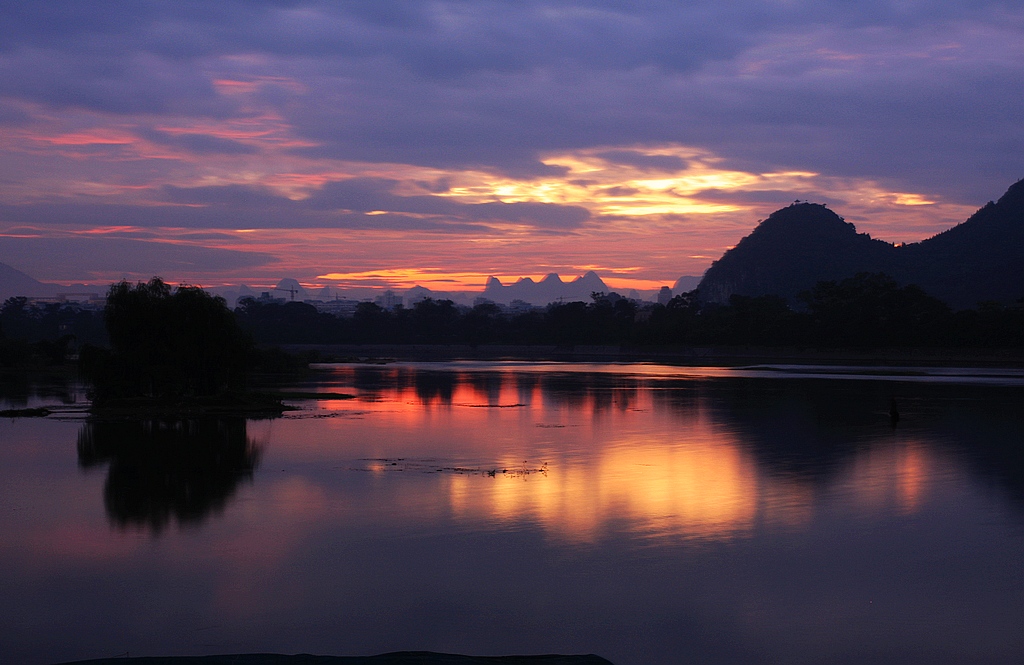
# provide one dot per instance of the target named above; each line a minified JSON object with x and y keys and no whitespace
{"x":398,"y":658}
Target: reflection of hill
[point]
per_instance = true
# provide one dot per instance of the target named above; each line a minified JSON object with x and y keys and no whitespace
{"x":812,"y":430}
{"x":164,"y":469}
{"x":985,"y":431}
{"x":802,"y":429}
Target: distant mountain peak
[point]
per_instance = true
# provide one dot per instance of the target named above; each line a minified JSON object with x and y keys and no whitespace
{"x":550,"y":289}
{"x":13,"y":282}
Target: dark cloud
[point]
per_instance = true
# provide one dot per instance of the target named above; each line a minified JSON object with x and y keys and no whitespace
{"x":10,"y":115}
{"x":123,"y":83}
{"x":200,"y":144}
{"x":79,"y":258}
{"x":343,"y":204}
{"x":915,"y":96}
{"x":242,"y":196}
{"x":372,"y":194}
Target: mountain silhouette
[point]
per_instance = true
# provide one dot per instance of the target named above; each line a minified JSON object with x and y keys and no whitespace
{"x":981,"y":259}
{"x":548,"y":290}
{"x":685,"y":283}
{"x":791,"y":251}
{"x":16,"y":283}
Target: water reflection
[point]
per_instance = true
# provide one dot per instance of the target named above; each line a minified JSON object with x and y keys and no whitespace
{"x":20,"y":389}
{"x":699,"y":490}
{"x":163,"y":470}
{"x":669,"y":457}
{"x":651,"y":518}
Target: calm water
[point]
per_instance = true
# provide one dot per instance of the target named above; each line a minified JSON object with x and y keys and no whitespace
{"x":648,"y":514}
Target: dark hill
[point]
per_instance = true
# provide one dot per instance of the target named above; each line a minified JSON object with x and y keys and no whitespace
{"x":791,"y":251}
{"x":800,"y":245}
{"x":980,"y":259}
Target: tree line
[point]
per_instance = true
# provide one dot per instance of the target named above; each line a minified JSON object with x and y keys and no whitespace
{"x":865,"y":311}
{"x":194,"y":341}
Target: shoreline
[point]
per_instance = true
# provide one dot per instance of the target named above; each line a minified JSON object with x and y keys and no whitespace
{"x":686,"y":356}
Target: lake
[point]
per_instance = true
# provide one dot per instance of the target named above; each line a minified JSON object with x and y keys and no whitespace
{"x":647,"y":513}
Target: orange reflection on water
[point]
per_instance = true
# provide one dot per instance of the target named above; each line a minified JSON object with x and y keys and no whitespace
{"x":587,"y":457}
{"x":892,"y":476}
{"x":912,"y":474}
{"x":700,"y":485}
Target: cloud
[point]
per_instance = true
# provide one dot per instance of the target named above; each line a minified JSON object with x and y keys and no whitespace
{"x":667,"y":163}
{"x":495,"y":85}
{"x":84,"y":258}
{"x":769,"y":196}
{"x":369,"y":203}
{"x":373,"y":194}
{"x":198,"y":143}
{"x":357,"y":203}
{"x":12,"y":116}
{"x":920,"y":97}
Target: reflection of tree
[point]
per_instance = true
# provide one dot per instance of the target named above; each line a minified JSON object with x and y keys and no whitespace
{"x":597,"y":391}
{"x":18,"y":387}
{"x":164,"y":469}
{"x":435,"y":385}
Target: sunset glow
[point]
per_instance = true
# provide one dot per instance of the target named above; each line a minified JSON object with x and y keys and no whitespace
{"x":377,"y":168}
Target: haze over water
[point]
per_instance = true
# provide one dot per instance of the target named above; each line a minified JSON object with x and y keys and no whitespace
{"x":647,"y":514}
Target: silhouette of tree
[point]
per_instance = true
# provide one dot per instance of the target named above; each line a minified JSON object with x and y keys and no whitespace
{"x":434,"y":322}
{"x":167,"y":343}
{"x":482,"y":324}
{"x":872,"y":310}
{"x":288,"y":323}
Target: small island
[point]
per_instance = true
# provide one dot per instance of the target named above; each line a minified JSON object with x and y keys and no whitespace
{"x":173,"y":353}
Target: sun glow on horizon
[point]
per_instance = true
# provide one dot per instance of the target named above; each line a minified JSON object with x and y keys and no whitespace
{"x":663,"y":210}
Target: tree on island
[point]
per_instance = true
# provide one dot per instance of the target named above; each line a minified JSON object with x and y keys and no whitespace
{"x":167,"y":343}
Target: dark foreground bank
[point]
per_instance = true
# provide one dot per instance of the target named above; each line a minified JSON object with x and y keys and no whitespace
{"x":398,"y":658}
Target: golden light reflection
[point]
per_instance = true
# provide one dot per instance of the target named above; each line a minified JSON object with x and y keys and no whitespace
{"x":896,"y":476}
{"x":694,"y":483}
{"x":682,"y":478}
{"x":697,"y":489}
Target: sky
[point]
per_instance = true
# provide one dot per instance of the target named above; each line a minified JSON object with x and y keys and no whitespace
{"x":380,"y":143}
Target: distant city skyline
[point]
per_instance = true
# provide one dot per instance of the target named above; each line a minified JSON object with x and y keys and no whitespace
{"x":387,"y":145}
